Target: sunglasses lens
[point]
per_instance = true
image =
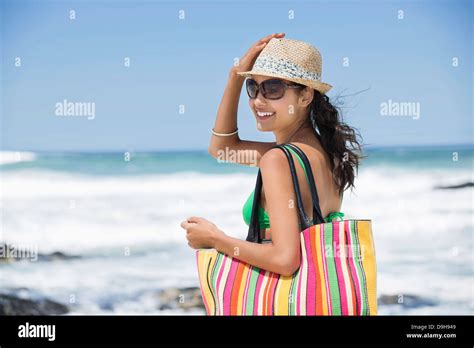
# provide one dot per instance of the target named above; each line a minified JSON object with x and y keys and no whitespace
{"x":252,"y":88}
{"x":273,"y":89}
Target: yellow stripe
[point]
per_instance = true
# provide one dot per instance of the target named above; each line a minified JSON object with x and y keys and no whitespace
{"x":204,"y":257}
{"x":240,"y":301}
{"x":368,"y":261}
{"x":202,"y":261}
{"x":284,"y":295}
{"x":276,"y":298}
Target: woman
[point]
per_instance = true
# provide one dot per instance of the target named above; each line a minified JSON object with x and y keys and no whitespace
{"x":296,"y":109}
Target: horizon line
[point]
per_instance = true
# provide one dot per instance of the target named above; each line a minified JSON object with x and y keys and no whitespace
{"x":166,"y":150}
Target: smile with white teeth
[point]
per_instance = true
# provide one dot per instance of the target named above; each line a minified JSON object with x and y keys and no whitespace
{"x":265,"y":114}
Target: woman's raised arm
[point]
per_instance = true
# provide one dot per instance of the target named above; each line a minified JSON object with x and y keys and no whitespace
{"x":241,"y":151}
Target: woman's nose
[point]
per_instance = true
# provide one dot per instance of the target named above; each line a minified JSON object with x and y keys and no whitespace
{"x":260,"y":101}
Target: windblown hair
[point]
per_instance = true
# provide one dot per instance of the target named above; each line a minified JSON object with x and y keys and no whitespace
{"x":338,"y":139}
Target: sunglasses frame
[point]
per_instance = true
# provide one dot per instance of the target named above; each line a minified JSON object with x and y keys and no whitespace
{"x":260,"y":89}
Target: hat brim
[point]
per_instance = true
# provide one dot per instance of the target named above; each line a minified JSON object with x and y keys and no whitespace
{"x":321,"y":87}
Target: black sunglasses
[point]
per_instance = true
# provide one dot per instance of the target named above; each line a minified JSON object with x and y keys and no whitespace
{"x":271,"y":89}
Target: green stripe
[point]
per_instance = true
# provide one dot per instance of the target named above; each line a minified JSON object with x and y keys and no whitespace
{"x":293,"y":292}
{"x":215,"y":273}
{"x":252,"y":288}
{"x":331,"y":268}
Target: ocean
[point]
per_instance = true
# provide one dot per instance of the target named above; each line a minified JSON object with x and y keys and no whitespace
{"x":121,"y":214}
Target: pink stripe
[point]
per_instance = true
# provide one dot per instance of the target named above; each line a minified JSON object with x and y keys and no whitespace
{"x":219,"y":276}
{"x":261,"y":273}
{"x":228,"y":287}
{"x":354,"y":270}
{"x":325,"y":269}
{"x":298,"y":291}
{"x":311,"y":285}
{"x":340,"y":276}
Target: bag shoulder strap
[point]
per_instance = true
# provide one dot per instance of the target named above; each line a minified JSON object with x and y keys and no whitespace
{"x":317,"y":215}
{"x":298,"y":157}
{"x":254,"y":226}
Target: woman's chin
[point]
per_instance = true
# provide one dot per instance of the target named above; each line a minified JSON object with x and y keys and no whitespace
{"x":263,"y":127}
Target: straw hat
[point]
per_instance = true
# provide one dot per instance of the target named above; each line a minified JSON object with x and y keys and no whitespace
{"x":292,"y":60}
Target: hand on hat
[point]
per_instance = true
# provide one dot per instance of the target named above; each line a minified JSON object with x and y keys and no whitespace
{"x":247,"y":61}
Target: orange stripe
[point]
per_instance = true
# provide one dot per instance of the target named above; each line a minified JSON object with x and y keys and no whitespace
{"x":265,"y":296}
{"x":321,"y":278}
{"x":314,"y":260}
{"x":236,"y":287}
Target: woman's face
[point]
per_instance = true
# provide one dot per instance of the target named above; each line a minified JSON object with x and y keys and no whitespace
{"x":286,"y":111}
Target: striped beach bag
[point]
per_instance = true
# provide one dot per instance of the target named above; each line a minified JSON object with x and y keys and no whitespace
{"x":337,"y":274}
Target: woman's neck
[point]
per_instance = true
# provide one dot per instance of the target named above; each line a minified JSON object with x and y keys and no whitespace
{"x":303,"y":133}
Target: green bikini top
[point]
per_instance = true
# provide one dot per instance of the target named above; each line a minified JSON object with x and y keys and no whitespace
{"x":263,"y":215}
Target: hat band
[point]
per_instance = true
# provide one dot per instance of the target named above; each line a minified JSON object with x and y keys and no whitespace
{"x":283,"y":67}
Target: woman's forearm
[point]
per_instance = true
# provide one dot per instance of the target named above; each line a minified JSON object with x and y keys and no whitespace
{"x":226,"y":119}
{"x":263,"y":256}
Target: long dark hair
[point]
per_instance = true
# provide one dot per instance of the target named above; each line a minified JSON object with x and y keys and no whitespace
{"x":339,"y":140}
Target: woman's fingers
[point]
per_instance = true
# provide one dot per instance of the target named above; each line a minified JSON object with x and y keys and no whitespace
{"x":266,"y":38}
{"x":262,"y":42}
{"x":249,"y":57}
{"x":194,"y":219}
{"x":269,"y":37}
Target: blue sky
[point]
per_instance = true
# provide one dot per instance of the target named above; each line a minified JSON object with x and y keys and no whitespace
{"x":186,"y":62}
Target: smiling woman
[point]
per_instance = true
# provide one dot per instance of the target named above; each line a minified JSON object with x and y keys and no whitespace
{"x":290,"y":273}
